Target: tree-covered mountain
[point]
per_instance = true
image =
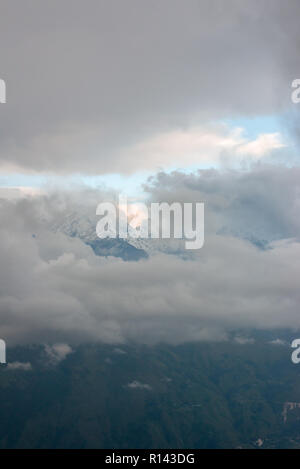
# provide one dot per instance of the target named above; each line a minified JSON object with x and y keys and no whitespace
{"x":220,"y":395}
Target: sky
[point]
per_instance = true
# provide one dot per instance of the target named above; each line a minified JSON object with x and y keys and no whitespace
{"x":164,"y":101}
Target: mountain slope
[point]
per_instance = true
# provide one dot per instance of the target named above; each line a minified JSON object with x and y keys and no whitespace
{"x":191,"y":396}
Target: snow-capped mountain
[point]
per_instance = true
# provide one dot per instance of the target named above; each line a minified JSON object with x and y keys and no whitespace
{"x":83,"y":226}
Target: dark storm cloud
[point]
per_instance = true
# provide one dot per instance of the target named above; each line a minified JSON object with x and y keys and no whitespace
{"x":88,"y":79}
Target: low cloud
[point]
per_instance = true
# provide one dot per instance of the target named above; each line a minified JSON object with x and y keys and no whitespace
{"x":55,"y":290}
{"x":57,"y":352}
{"x":119,"y":351}
{"x":139,"y":385}
{"x":244,"y":340}
{"x":279,"y":342}
{"x":26,"y":366}
{"x":261,"y":204}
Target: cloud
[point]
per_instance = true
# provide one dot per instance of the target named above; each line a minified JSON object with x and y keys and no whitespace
{"x":261,"y":146}
{"x":57,"y":352}
{"x":18,"y":192}
{"x":88,"y":82}
{"x":55,"y":290}
{"x":26,"y":366}
{"x":208,"y":145}
{"x":244,"y":340}
{"x":139,"y":385}
{"x":119,"y":351}
{"x":260,"y":205}
{"x":277,"y":342}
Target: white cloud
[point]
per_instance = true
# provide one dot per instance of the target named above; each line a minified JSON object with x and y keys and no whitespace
{"x":178,"y":146}
{"x":262,"y":146}
{"x":199,"y":145}
{"x":277,"y":342}
{"x":119,"y":351}
{"x":57,"y":352}
{"x":68,"y":294}
{"x":19,"y":192}
{"x":244,"y":340}
{"x":139,"y":385}
{"x":26,"y":366}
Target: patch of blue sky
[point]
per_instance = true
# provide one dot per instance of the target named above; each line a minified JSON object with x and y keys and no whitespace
{"x":270,"y":124}
{"x":256,"y":125}
{"x":130,"y":185}
{"x":22,"y":180}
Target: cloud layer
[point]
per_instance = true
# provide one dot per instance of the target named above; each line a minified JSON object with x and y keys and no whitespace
{"x":54,"y":289}
{"x":90,"y":83}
